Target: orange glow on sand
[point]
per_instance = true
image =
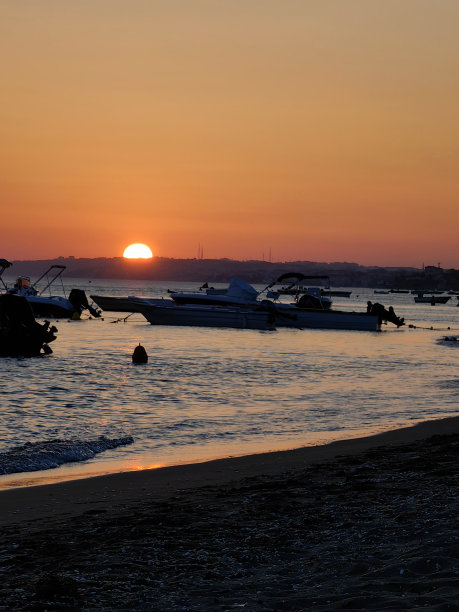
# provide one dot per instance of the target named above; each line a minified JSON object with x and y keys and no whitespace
{"x":137,"y":251}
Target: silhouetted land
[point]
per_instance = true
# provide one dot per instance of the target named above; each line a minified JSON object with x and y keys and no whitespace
{"x":341,"y":274}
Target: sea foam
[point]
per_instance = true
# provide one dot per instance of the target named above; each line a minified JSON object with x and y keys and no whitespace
{"x":35,"y":456}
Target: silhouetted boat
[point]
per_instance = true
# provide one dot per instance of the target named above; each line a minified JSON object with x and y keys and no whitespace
{"x":114,"y":304}
{"x":167,"y":312}
{"x":421,"y":298}
{"x":51,"y":306}
{"x":264,"y":315}
{"x":20,"y":334}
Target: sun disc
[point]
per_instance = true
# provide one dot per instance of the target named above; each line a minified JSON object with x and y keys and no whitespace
{"x":137,"y":251}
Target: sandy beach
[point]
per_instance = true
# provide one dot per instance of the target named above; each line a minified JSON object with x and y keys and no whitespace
{"x":363,"y":524}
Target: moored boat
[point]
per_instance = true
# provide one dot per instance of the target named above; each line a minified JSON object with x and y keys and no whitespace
{"x":167,"y":312}
{"x":46,"y":305}
{"x":308,"y":311}
{"x":432,"y":299}
{"x":311,"y":310}
{"x":114,"y":304}
{"x":264,"y":315}
{"x":20,"y":334}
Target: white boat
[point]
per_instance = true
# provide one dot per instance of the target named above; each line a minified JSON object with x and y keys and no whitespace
{"x":265,"y":315}
{"x":167,"y":312}
{"x":240,"y":293}
{"x":421,"y":298}
{"x":47,"y":305}
{"x":311,"y":310}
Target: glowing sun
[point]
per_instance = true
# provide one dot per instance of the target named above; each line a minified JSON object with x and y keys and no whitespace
{"x":137,"y":251}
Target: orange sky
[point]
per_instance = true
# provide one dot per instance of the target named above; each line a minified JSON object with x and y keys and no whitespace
{"x":324,"y":131}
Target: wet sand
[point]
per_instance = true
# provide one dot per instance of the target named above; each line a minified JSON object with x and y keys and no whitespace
{"x":364,"y":524}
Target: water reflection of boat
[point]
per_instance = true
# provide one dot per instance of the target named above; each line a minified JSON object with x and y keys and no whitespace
{"x":47,"y":305}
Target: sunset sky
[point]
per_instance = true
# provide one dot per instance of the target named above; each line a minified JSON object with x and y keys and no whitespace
{"x":323,"y":130}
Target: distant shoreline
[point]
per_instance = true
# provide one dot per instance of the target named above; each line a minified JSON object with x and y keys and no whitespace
{"x":341,"y":274}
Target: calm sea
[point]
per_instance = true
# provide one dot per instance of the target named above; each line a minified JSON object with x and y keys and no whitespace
{"x":209,"y":393}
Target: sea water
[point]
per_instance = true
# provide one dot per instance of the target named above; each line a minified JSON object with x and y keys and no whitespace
{"x":207,"y":393}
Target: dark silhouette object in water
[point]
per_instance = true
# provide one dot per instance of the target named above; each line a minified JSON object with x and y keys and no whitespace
{"x":20,"y":334}
{"x":80,"y":302}
{"x":385,"y":315}
{"x":139,"y":355}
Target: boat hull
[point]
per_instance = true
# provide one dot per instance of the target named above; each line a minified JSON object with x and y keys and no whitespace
{"x":432,"y":299}
{"x":114,"y":304}
{"x":205,"y":316}
{"x":54,"y":307}
{"x":326,"y":319}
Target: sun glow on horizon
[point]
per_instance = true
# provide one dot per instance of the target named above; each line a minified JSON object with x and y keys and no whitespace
{"x":137,"y":251}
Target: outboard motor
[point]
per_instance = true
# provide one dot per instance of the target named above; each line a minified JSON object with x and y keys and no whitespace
{"x":80,"y":302}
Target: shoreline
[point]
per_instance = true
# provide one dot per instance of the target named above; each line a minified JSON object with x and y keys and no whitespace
{"x":362,"y":524}
{"x":85,"y":470}
{"x":121,"y":488}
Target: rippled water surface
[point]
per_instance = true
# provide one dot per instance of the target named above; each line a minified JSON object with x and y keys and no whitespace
{"x":214,"y":392}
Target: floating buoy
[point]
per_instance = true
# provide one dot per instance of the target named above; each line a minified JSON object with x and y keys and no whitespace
{"x":139,"y":355}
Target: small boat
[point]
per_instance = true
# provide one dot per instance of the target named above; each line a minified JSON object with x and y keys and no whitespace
{"x":421,"y":298}
{"x":310,"y":297}
{"x":231,"y":308}
{"x":265,"y":315}
{"x":311,"y":310}
{"x":240,"y":293}
{"x":20,"y":334}
{"x":167,"y":312}
{"x":336,"y":293}
{"x":114,"y":304}
{"x":48,"y":306}
{"x":381,"y":291}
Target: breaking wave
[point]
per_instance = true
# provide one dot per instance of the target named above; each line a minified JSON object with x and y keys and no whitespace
{"x":35,"y":456}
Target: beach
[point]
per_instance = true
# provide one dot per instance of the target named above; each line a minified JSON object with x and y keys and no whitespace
{"x":369,"y":523}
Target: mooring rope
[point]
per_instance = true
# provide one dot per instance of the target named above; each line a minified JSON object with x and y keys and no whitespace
{"x":124,"y":319}
{"x":433,"y":328}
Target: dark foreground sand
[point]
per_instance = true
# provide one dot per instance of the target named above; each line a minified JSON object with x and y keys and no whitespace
{"x":368,"y":524}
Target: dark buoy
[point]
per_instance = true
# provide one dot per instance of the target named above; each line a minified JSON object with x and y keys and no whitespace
{"x":139,"y":355}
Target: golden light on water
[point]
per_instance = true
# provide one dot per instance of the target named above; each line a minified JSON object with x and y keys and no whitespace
{"x":137,"y":251}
